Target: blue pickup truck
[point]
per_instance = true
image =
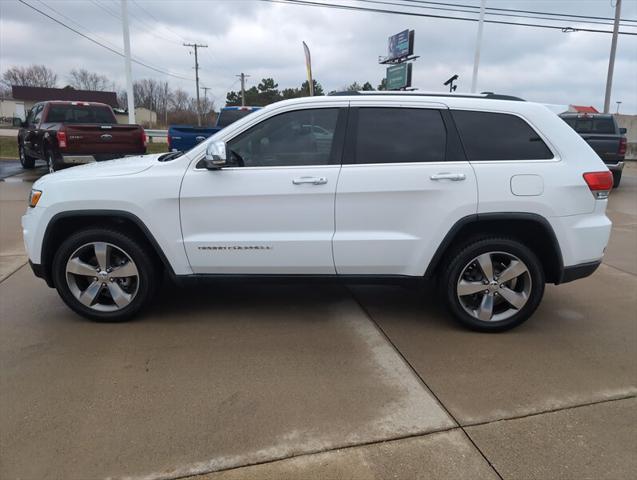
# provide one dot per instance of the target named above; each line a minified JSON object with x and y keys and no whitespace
{"x":184,"y":137}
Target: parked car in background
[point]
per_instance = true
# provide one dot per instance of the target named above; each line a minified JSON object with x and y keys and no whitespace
{"x":604,"y":135}
{"x":64,"y":133}
{"x":491,"y":196}
{"x":183,"y":137}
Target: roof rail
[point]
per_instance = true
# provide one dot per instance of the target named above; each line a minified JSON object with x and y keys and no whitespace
{"x":487,"y":95}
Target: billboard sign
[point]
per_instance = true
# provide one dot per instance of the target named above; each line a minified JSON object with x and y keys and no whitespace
{"x":399,"y":76}
{"x":400,"y":45}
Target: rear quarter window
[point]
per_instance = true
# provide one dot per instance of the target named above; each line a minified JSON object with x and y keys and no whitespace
{"x":498,"y":136}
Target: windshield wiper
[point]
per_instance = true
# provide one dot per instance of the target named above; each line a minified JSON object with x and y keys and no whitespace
{"x":170,"y":156}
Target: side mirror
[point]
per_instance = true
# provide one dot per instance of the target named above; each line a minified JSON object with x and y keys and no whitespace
{"x":622,"y":131}
{"x":215,"y":157}
{"x":17,"y":122}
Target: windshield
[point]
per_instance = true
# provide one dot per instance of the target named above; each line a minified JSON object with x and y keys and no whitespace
{"x":226,"y":117}
{"x":603,"y":125}
{"x":80,"y":114}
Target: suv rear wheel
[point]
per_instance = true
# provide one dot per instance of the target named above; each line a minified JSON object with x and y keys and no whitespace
{"x":493,"y":284}
{"x":104,"y":275}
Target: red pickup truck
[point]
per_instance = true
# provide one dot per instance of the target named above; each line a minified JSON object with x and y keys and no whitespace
{"x":68,"y":133}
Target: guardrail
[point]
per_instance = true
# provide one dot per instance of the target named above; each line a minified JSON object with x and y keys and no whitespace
{"x":160,"y":136}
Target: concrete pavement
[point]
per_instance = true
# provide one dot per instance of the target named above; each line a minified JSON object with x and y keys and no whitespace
{"x":315,"y":381}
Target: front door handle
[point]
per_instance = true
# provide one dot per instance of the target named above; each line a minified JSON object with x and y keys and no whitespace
{"x":310,"y":180}
{"x":454,"y":177}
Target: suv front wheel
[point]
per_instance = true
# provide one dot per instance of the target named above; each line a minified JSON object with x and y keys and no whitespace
{"x":104,"y":275}
{"x":493,"y":284}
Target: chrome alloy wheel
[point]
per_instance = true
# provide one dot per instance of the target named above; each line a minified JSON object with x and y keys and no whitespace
{"x":494,"y":286}
{"x":102,"y":276}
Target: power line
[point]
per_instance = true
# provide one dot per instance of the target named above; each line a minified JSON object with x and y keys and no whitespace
{"x":112,"y":50}
{"x":138,"y":21}
{"x":520,"y":11}
{"x":462,"y":10}
{"x":308,"y":3}
{"x":159,"y":22}
{"x":75,"y":23}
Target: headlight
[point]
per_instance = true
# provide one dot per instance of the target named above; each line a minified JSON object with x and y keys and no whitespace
{"x":34,"y":197}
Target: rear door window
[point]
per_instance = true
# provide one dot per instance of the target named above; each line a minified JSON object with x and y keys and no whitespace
{"x":498,"y":136}
{"x":399,"y":135}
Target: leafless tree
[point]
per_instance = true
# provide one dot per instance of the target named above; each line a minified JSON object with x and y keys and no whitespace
{"x":82,"y":79}
{"x":31,"y":76}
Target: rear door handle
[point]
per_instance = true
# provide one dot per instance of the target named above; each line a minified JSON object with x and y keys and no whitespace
{"x":454,"y":177}
{"x":310,"y":180}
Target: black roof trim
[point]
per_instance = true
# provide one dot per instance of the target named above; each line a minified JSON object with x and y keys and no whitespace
{"x":487,"y":95}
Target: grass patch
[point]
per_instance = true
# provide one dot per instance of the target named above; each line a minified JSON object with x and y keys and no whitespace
{"x":156,"y":147}
{"x":8,"y":147}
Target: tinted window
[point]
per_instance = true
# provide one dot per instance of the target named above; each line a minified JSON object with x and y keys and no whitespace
{"x":226,"y":117}
{"x":303,"y":137}
{"x":396,"y":135}
{"x":591,"y":125}
{"x":499,"y":136}
{"x":79,"y":114}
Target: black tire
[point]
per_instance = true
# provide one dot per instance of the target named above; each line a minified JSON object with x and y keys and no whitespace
{"x":617,"y":178}
{"x":52,"y":161}
{"x":26,"y":161}
{"x":459,"y":263}
{"x":146,"y":281}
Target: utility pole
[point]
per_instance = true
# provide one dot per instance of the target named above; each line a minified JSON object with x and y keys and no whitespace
{"x":196,"y":46}
{"x":205,"y":93}
{"x":611,"y":60}
{"x":130,"y":97}
{"x":243,"y":77}
{"x":476,"y":58}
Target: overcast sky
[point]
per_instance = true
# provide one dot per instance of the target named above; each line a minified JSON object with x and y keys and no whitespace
{"x":264,"y":40}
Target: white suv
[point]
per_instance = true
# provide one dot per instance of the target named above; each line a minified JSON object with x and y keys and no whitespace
{"x":491,"y":195}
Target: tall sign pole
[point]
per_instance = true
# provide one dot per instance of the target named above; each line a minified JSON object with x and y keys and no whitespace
{"x":611,"y":60}
{"x":196,"y":46}
{"x":308,"y":67}
{"x":130,"y":98}
{"x":476,"y":58}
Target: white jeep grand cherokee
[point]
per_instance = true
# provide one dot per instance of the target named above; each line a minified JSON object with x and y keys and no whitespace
{"x":491,"y":195}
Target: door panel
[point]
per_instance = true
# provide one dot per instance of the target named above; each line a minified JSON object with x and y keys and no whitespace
{"x":270,"y":219}
{"x":257,"y":221}
{"x":391,"y":217}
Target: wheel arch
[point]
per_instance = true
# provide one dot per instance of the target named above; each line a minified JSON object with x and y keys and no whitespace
{"x":63,"y":224}
{"x":531,"y":229}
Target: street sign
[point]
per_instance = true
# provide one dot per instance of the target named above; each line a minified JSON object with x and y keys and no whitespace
{"x":399,"y":76}
{"x":400,"y":45}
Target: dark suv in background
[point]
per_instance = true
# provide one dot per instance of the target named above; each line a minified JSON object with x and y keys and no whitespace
{"x":603,"y":134}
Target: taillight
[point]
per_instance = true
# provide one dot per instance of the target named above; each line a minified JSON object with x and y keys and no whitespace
{"x":600,"y":183}
{"x":622,"y":146}
{"x":61,"y":136}
{"x":170,"y":140}
{"x":144,"y":138}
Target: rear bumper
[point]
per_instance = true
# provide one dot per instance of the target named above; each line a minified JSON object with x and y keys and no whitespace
{"x":615,"y":167}
{"x":575,"y":272}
